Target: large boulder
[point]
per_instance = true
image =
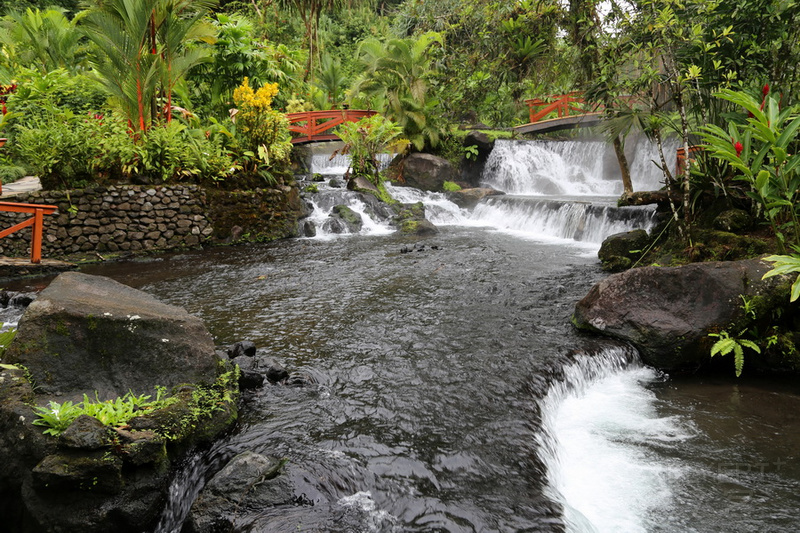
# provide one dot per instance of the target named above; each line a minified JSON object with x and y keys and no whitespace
{"x":667,"y":313}
{"x":619,"y":251}
{"x":90,"y":333}
{"x":427,"y":172}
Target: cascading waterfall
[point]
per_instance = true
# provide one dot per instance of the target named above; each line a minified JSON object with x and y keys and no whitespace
{"x":599,"y":425}
{"x":571,"y":168}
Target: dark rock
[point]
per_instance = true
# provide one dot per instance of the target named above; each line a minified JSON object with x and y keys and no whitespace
{"x":309,"y":229}
{"x":335,"y":184}
{"x":79,"y":333}
{"x":472,"y":167}
{"x":250,"y":379}
{"x":236,"y":234}
{"x":86,"y":432}
{"x":334,"y":225}
{"x":249,"y":483}
{"x":244,"y":362}
{"x":276,"y":373}
{"x":427,"y":172}
{"x":619,"y":251}
{"x":97,"y":472}
{"x":142,"y":447}
{"x":667,"y":313}
{"x":317,"y":177}
{"x":246,"y":348}
{"x":733,"y":220}
{"x":469,"y":198}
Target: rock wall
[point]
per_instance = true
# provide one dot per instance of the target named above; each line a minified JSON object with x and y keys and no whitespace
{"x":133,"y":218}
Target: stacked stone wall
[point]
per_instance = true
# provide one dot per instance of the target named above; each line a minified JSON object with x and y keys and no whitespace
{"x":136,"y":218}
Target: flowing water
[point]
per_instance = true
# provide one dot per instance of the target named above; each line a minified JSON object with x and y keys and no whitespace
{"x":449,"y":392}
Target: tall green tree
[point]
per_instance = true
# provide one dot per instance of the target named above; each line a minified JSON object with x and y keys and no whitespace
{"x":309,"y":12}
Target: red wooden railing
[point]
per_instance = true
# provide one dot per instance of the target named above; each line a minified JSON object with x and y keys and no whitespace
{"x":37,"y":221}
{"x":311,"y":125}
{"x":562,"y":104}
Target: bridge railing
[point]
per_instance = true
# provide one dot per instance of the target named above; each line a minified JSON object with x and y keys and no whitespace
{"x":37,"y":221}
{"x":561,"y":104}
{"x":313,"y":125}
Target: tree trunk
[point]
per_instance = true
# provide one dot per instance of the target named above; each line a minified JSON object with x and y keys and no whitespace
{"x":619,"y":149}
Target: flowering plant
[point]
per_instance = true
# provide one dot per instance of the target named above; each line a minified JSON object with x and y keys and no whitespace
{"x":758,"y":149}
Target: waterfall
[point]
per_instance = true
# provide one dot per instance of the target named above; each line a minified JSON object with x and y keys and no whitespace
{"x":571,"y":168}
{"x":600,"y":427}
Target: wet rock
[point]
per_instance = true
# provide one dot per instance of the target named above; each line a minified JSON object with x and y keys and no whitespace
{"x":469,"y":198}
{"x":335,"y":184}
{"x":334,"y":225}
{"x":309,"y":229}
{"x":250,"y":483}
{"x":98,"y":472}
{"x":361,"y":184}
{"x":86,"y":432}
{"x":250,"y":379}
{"x":472,"y":167}
{"x":619,"y":251}
{"x":352,"y":220}
{"x":244,"y":362}
{"x":427,"y":172}
{"x":276,"y":373}
{"x":242,"y":348}
{"x":92,"y":323}
{"x":667,"y":313}
{"x":142,"y":447}
{"x":411,"y":220}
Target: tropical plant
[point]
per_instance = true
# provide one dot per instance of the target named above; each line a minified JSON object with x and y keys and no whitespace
{"x":759,"y":149}
{"x":57,"y":417}
{"x":143,"y":52}
{"x":367,"y":138}
{"x":310,"y":11}
{"x":264,"y":131}
{"x":42,"y":40}
{"x":237,"y":54}
{"x":786,"y":264}
{"x":331,"y":82}
{"x":727,"y":344}
{"x":398,"y":72}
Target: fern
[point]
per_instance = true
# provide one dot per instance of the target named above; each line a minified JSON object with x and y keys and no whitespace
{"x":727,"y":344}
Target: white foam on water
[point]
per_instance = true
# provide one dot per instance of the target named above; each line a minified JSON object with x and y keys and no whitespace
{"x":599,"y":426}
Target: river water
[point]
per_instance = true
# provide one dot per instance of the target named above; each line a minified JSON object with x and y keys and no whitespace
{"x":449,"y":392}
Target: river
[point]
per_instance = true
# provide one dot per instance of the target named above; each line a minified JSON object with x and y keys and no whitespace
{"x":449,"y":392}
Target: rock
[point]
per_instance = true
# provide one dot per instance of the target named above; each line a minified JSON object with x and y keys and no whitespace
{"x":472,"y":167}
{"x":98,"y":472}
{"x":352,"y":220}
{"x":249,"y":483}
{"x":619,"y":251}
{"x":427,"y":172}
{"x":334,"y":225}
{"x":667,"y":313}
{"x":469,"y":198}
{"x":411,"y":220}
{"x":309,"y":229}
{"x":360,"y":183}
{"x":142,"y":447}
{"x":335,"y":184}
{"x":250,"y":379}
{"x":86,"y":432}
{"x":275,"y":372}
{"x":660,"y":198}
{"x":733,"y":220}
{"x":244,"y":362}
{"x":90,"y":333}
{"x":242,"y":348}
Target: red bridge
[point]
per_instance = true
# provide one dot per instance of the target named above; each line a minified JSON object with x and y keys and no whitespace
{"x":312,"y":125}
{"x":571,"y":109}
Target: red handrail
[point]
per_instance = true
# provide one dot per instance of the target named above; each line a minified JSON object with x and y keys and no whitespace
{"x":311,"y":124}
{"x":37,"y":221}
{"x":562,"y":104}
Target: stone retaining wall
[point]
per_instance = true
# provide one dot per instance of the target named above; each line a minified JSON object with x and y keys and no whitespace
{"x":134,"y":218}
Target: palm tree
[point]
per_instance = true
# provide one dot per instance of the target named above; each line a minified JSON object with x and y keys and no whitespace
{"x":142,"y":51}
{"x":398,"y":71}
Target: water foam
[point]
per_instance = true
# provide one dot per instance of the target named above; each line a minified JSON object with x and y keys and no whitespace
{"x":600,"y":427}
